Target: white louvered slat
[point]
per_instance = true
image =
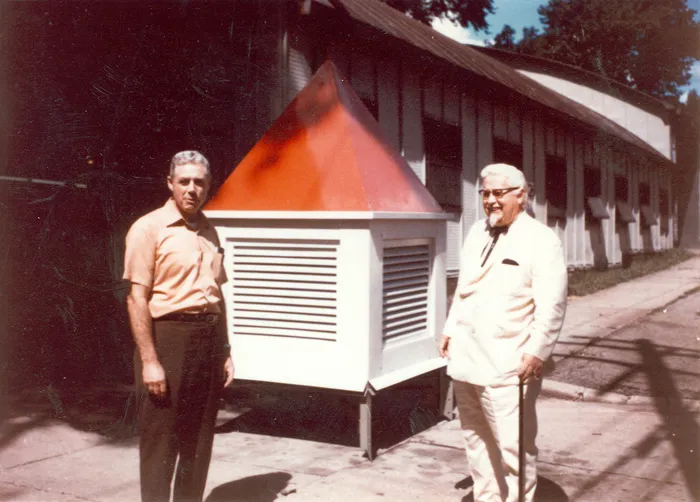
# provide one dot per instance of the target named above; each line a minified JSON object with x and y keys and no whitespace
{"x":286,"y":332}
{"x":303,"y":279}
{"x":284,"y":287}
{"x":244,"y":299}
{"x":291,"y":268}
{"x":406,"y":276}
{"x":310,"y":289}
{"x":284,"y":260}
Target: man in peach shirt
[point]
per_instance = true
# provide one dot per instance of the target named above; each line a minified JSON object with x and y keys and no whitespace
{"x":505,"y":318}
{"x":176,"y":310}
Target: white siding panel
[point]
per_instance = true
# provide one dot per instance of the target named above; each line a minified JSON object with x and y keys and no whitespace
{"x":551,"y":140}
{"x":647,"y":126}
{"x":540,"y":164}
{"x":500,"y":120}
{"x":570,"y":229}
{"x":528,"y":150}
{"x":412,"y":125}
{"x":470,"y":169}
{"x":432,"y":98}
{"x":514,"y":127}
{"x":362,"y":76}
{"x":388,"y":101}
{"x":454,"y":246}
{"x":658,"y":134}
{"x":579,"y":219}
{"x":450,"y":107}
{"x":299,"y":70}
{"x":484,"y":133}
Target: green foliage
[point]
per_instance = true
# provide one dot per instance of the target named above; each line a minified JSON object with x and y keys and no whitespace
{"x":649,"y":45}
{"x":465,"y":12}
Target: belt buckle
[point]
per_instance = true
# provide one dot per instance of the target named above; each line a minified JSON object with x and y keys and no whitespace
{"x":210,"y":318}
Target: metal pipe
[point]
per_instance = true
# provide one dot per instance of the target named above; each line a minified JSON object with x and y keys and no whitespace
{"x":42,"y":181}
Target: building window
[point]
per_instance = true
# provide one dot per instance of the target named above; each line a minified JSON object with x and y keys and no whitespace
{"x":507,"y":153}
{"x":624,"y":211}
{"x":647,"y":215}
{"x":443,"y":154}
{"x":594,"y":209}
{"x":644,"y":194}
{"x":555,"y":186}
{"x":621,"y":189}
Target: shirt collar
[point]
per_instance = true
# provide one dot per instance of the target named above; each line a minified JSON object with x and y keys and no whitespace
{"x":173,"y":216}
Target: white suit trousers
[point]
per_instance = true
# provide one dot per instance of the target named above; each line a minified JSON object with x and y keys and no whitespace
{"x":489,"y":417}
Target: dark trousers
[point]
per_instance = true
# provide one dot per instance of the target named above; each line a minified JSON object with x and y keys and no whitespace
{"x":180,"y":427}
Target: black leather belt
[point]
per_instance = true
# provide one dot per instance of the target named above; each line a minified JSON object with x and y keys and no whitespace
{"x":180,"y":317}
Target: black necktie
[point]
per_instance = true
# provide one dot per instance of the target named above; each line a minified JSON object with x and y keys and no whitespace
{"x":495,"y":234}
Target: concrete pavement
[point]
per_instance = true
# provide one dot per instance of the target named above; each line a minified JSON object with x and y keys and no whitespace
{"x":598,"y":444}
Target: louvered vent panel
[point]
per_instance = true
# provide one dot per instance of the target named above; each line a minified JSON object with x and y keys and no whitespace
{"x":405,"y":293}
{"x":285,"y":287}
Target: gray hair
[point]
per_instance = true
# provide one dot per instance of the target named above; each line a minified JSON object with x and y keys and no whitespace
{"x":512,"y":174}
{"x":189,"y":157}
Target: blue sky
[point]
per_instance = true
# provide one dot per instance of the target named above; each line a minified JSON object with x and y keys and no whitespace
{"x":521,"y":13}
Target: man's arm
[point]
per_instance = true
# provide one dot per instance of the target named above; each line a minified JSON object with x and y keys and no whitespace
{"x":229,"y":369}
{"x":141,"y":324}
{"x":549,"y":290}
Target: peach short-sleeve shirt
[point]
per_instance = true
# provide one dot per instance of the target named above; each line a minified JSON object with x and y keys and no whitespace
{"x":182,"y":266}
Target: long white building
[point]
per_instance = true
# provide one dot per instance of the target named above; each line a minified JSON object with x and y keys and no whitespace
{"x":601,"y":164}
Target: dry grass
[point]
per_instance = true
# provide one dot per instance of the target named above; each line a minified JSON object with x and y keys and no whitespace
{"x":586,"y":281}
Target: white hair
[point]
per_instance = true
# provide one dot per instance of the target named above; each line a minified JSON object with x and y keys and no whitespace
{"x":512,"y":174}
{"x":189,"y":157}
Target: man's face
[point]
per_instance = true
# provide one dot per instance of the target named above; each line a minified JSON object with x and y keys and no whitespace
{"x":189,"y":186}
{"x":501,"y":211}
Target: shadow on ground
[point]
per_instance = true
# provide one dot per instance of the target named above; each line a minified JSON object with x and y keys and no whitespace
{"x":260,"y":488}
{"x":547,"y":490}
{"x":324,"y":416}
{"x":654,"y":357}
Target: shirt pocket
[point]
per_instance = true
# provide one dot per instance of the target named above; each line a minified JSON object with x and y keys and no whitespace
{"x":510,"y":277}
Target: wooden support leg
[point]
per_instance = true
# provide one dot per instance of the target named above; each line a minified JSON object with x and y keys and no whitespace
{"x":366,"y":425}
{"x":447,"y":395}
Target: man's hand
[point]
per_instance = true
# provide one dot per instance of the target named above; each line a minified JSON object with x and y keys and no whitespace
{"x":530,"y":366}
{"x":229,"y":371}
{"x":444,"y":345}
{"x":154,"y":378}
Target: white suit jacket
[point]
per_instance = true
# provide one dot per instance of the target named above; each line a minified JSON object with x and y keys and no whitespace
{"x":512,"y":305}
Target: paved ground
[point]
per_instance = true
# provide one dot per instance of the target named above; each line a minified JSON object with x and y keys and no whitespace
{"x":618,"y":422}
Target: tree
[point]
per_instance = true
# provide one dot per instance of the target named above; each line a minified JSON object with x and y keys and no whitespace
{"x":649,"y":45}
{"x":465,"y":12}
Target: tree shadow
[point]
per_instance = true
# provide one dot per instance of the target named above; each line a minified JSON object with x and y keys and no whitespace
{"x":681,"y":427}
{"x":259,"y":488}
{"x":108,"y":410}
{"x":547,"y":490}
{"x":616,"y":364}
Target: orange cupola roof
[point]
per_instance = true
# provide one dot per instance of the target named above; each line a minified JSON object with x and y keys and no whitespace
{"x":326,"y":152}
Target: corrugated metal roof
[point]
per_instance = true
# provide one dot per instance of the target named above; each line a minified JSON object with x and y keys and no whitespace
{"x":601,"y":82}
{"x":396,"y":24}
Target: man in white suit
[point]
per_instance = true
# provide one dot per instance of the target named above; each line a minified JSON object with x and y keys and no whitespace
{"x":505,"y":318}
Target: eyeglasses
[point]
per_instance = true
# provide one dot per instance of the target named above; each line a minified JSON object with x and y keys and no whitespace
{"x":499,"y":193}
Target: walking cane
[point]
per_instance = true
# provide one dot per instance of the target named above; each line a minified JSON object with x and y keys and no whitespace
{"x":521,"y":449}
